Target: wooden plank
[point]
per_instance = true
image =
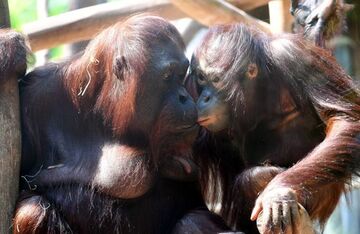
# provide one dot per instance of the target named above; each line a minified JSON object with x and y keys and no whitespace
{"x":280,"y":17}
{"x":211,"y":12}
{"x":248,"y":5}
{"x":10,"y":145}
{"x":10,"y":150}
{"x":85,"y":23}
{"x":4,"y":14}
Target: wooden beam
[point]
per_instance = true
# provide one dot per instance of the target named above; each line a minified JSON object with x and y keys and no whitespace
{"x":85,"y":23}
{"x":248,"y":5}
{"x":280,"y":17}
{"x":4,"y":14}
{"x":211,"y":12}
{"x":10,"y":150}
{"x":10,"y":144}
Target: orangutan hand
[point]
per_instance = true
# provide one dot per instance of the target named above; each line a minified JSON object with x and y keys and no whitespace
{"x":277,"y":211}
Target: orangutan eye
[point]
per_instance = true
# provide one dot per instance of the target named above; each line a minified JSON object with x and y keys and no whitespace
{"x":216,"y":79}
{"x":201,"y":77}
{"x":167,"y":75}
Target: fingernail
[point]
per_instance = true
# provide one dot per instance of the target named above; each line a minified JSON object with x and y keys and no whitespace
{"x":252,"y":215}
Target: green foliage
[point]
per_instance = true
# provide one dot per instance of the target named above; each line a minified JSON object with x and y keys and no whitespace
{"x":57,"y":52}
{"x":57,"y":7}
{"x":22,"y":12}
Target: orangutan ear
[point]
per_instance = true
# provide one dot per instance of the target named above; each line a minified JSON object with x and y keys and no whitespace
{"x":119,"y":67}
{"x":252,"y":71}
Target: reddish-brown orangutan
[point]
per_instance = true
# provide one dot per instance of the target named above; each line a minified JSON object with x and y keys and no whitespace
{"x":280,"y":110}
{"x":319,"y":20}
{"x":107,"y":139}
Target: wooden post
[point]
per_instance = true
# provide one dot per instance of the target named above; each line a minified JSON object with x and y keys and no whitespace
{"x":9,"y":138}
{"x":211,"y":12}
{"x":280,"y":17}
{"x":4,"y":14}
{"x":247,"y":5}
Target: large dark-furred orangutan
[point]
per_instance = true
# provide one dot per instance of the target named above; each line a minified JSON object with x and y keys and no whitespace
{"x":282,"y":103}
{"x":107,"y":139}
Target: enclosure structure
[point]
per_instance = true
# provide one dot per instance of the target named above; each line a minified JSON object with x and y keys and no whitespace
{"x":83,"y":24}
